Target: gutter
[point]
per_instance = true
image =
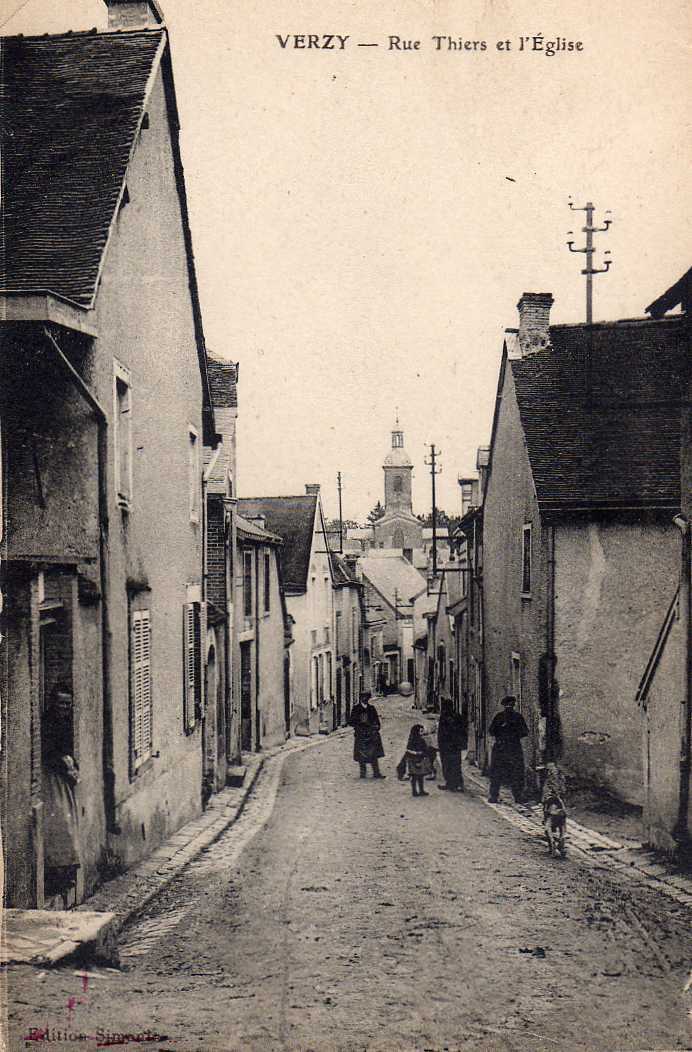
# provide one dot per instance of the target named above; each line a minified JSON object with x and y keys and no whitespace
{"x":682,"y":827}
{"x":106,"y":657}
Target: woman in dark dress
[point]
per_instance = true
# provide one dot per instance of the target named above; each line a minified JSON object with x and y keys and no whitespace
{"x":452,"y":738}
{"x":367,"y":741}
{"x":60,"y":776}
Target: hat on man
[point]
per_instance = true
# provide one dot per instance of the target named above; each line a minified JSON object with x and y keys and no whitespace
{"x":509,"y":699}
{"x":364,"y":697}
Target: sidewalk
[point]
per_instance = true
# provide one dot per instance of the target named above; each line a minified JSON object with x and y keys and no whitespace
{"x":42,"y":937}
{"x":642,"y":866}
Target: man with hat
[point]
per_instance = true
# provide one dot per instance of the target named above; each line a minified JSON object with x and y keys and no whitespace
{"x":367,"y":741}
{"x":507,"y":765}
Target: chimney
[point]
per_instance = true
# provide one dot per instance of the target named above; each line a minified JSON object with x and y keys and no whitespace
{"x":133,"y":14}
{"x":312,"y":489}
{"x":534,"y":322}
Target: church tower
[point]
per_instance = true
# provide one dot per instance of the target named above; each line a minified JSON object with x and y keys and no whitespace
{"x":398,"y":473}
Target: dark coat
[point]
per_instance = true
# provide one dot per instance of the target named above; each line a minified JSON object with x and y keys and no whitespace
{"x":452,"y":733}
{"x":508,"y":728}
{"x":367,"y":741}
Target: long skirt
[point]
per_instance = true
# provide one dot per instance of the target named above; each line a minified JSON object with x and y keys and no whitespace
{"x":60,"y":828}
{"x":451,"y":769}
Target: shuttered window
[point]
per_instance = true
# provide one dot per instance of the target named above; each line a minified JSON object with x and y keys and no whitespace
{"x":140,"y":672}
{"x":191,"y":664}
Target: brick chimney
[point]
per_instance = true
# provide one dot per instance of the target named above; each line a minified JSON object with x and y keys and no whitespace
{"x":133,"y":14}
{"x":312,"y":489}
{"x":534,"y":322}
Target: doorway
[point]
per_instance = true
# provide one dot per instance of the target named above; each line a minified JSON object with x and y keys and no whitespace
{"x":337,"y":714}
{"x":246,"y":697}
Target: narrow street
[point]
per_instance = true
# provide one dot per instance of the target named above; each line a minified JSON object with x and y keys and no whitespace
{"x":342,"y":914}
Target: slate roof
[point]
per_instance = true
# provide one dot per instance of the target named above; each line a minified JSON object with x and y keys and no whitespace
{"x":392,"y":578}
{"x":254,"y":532}
{"x":621,"y":450}
{"x":292,"y":519}
{"x":223,"y":382}
{"x":71,"y":107}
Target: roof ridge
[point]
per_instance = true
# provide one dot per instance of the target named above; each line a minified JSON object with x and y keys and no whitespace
{"x":70,"y":34}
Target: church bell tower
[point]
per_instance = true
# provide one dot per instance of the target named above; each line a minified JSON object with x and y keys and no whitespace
{"x":398,"y":473}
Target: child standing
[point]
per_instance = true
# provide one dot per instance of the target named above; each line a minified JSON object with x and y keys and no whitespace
{"x":417,"y":759}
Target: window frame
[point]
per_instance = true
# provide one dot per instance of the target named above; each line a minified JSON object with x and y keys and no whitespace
{"x":142,"y":721}
{"x":192,"y":664}
{"x":267,"y":581}
{"x":526,"y":563}
{"x":194,"y":474}
{"x":247,"y":583}
{"x":122,"y":437}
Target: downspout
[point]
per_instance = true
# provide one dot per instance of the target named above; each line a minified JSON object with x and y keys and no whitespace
{"x":258,"y":741}
{"x":106,"y":659}
{"x":682,"y":828}
{"x":551,"y":712}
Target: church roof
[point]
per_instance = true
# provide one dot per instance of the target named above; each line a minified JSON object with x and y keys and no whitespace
{"x":398,"y":458}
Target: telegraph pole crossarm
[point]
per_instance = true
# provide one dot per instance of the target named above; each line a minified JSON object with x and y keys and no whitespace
{"x":588,"y":250}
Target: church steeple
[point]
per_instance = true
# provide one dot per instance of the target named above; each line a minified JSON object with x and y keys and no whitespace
{"x":398,"y":471}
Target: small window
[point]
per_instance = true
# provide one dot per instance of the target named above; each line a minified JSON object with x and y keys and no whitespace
{"x":398,"y":484}
{"x":140,"y":688}
{"x":267,"y":582}
{"x":247,"y":584}
{"x":122,"y":434}
{"x":194,"y":473}
{"x":192,"y":678}
{"x":526,"y":560}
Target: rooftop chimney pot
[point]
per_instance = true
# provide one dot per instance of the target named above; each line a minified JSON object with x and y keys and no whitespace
{"x":133,"y":14}
{"x":312,"y":489}
{"x":534,"y":322}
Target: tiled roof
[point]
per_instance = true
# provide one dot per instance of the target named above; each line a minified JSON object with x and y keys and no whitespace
{"x":253,"y":531}
{"x":223,"y":383}
{"x":71,"y":107}
{"x":344,"y":571}
{"x":621,"y":449}
{"x":292,"y":519}
{"x":395,"y":579}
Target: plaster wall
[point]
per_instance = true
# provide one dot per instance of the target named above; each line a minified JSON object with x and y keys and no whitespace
{"x":614,"y":582}
{"x":144,"y":317}
{"x":513,"y":624}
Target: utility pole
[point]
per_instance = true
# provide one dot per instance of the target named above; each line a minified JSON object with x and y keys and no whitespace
{"x":341,"y":518}
{"x":435,"y":469}
{"x":589,"y":251}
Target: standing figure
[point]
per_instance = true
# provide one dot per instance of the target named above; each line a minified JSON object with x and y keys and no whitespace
{"x":417,"y":759}
{"x":452,"y":738}
{"x":367,"y":741}
{"x":507,"y":765}
{"x":60,"y":776}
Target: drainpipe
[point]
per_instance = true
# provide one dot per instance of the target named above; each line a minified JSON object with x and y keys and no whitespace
{"x":682,"y":828}
{"x":102,"y":468}
{"x":551,"y":713}
{"x":258,"y":743}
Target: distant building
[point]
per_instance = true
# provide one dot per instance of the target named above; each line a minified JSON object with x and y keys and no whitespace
{"x":398,"y":528}
{"x":391,"y":587}
{"x":307,"y":575}
{"x":349,"y":642}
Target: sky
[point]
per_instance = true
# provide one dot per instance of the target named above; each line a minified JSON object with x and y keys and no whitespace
{"x":365,"y":220}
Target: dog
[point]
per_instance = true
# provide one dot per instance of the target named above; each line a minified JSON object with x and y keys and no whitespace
{"x":554,"y":824}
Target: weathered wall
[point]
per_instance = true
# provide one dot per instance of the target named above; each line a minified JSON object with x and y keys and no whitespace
{"x":614,"y":582}
{"x":662,"y":735}
{"x":144,"y":317}
{"x":271,"y":635}
{"x":513,"y":624}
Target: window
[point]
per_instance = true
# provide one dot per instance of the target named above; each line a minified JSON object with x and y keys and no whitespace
{"x":354,"y":629}
{"x":339,"y":634}
{"x":194,"y":473}
{"x":328,"y":686}
{"x":122,"y":434}
{"x":398,"y":483}
{"x":267,"y":582}
{"x":526,"y":560}
{"x":192,"y":678}
{"x":140,"y":688}
{"x":247,"y":584}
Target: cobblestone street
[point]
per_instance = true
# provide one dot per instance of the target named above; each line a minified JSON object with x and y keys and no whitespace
{"x":342,"y":914}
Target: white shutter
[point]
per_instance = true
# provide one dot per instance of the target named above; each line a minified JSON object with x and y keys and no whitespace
{"x":189,"y":659}
{"x":141,"y":687}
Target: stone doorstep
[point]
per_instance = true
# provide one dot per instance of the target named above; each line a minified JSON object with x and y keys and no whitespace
{"x":618,"y":856}
{"x":43,"y":937}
